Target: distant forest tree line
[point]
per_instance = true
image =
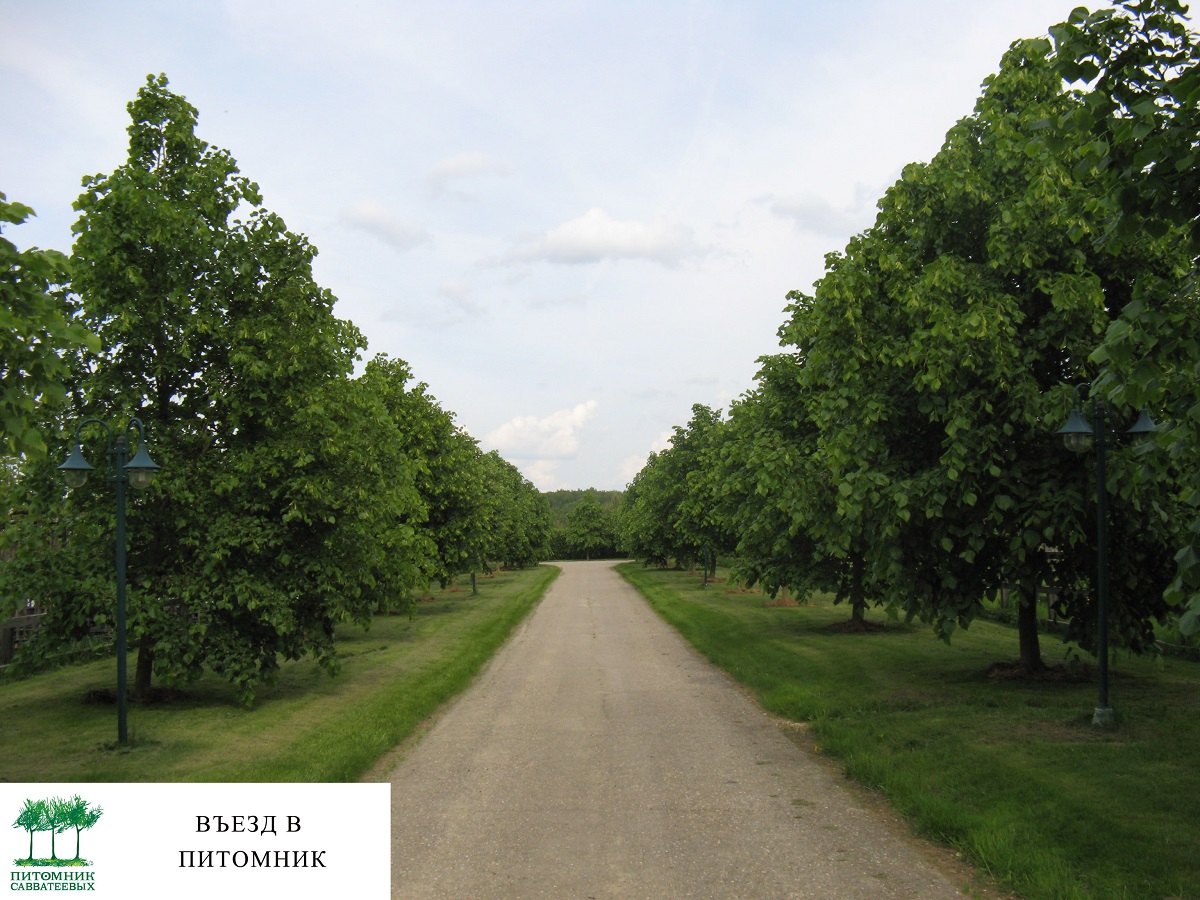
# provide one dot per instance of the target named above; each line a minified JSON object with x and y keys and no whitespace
{"x":585,"y":524}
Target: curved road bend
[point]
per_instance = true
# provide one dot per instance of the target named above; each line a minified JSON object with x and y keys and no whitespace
{"x":600,"y":756}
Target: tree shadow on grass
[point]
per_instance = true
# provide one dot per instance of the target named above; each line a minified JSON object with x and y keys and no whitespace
{"x":1014,"y":671}
{"x":156,"y":696}
{"x":857,"y":626}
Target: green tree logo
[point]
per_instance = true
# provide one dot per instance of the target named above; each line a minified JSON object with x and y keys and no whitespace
{"x":56,"y":815}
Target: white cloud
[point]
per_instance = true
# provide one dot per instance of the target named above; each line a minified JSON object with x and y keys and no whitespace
{"x":594,"y":237}
{"x":374,"y":219}
{"x":552,"y":437}
{"x":462,"y":166}
{"x":544,"y":474}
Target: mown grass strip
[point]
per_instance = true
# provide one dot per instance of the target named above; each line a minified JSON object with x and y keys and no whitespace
{"x":307,"y":727}
{"x":1010,"y":773}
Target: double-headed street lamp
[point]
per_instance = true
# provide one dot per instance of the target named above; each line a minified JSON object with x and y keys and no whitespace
{"x":1080,"y":435}
{"x":139,"y":472}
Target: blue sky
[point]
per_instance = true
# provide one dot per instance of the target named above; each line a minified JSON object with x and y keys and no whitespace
{"x":574,"y":219}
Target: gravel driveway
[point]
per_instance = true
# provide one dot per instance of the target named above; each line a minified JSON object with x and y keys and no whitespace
{"x":600,"y":756}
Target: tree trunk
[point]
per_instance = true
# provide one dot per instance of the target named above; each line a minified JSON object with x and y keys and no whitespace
{"x":145,"y":668}
{"x":858,"y":599}
{"x":1027,"y":626}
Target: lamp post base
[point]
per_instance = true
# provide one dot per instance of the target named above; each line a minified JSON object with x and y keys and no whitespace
{"x":1103,"y":716}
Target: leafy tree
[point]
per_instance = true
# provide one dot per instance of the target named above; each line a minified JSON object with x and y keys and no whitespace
{"x":516,"y":515}
{"x":590,"y":529}
{"x":563,"y":503}
{"x":33,"y":817}
{"x":533,"y":516}
{"x":285,"y":503}
{"x":646,"y":536}
{"x":935,"y":353}
{"x":1140,"y":64}
{"x":1138,"y":117}
{"x":698,"y":515}
{"x":776,"y":496}
{"x":444,"y":460}
{"x":667,"y":515}
{"x":81,"y":816}
{"x":37,"y":328}
{"x":56,"y":820}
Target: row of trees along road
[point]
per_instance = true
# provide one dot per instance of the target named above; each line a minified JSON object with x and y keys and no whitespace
{"x":901,"y":451}
{"x":292,"y":495}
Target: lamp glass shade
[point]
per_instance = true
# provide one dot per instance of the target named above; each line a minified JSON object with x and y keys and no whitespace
{"x":1077,"y":433}
{"x":75,"y":470}
{"x":141,"y":469}
{"x":1078,"y":442}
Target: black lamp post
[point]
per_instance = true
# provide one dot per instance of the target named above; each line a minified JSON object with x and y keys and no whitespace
{"x":1079,"y":435}
{"x":139,"y":472}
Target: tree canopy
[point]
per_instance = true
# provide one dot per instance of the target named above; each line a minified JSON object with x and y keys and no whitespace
{"x":293,"y":496}
{"x":902,"y":450}
{"x":668,"y":513}
{"x":38,"y":327}
{"x":1137,"y":65}
{"x":590,"y":529}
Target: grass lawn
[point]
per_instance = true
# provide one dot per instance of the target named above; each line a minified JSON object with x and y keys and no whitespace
{"x":1011,"y":773}
{"x":307,"y":727}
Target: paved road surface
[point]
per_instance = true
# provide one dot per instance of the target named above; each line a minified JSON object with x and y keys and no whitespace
{"x":599,"y":756}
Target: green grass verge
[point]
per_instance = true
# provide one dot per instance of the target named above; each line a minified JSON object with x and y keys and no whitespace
{"x":307,"y":727}
{"x":1010,"y":773}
